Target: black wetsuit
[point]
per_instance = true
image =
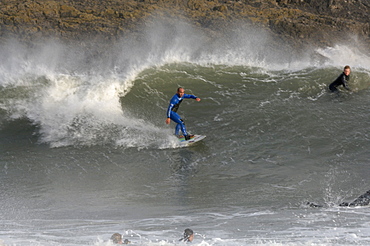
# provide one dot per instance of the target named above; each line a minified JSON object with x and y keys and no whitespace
{"x":341,"y":80}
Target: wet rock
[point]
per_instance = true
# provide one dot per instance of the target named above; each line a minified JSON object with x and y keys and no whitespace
{"x":300,"y":22}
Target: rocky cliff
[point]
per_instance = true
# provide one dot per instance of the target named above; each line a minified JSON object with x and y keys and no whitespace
{"x":299,"y":22}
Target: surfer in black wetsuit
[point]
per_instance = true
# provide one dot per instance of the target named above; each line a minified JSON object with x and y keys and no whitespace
{"x":341,"y":80}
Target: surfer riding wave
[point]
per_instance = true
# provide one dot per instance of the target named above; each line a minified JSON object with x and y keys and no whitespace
{"x":174,"y":105}
{"x":342,"y":79}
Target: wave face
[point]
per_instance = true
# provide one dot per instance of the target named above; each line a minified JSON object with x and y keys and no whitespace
{"x":85,"y":151}
{"x":76,"y":95}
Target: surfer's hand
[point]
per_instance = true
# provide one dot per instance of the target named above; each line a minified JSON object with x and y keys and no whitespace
{"x":168,"y":120}
{"x":198,"y":99}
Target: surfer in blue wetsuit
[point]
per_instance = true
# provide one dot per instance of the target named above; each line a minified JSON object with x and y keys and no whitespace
{"x":341,"y":80}
{"x":172,"y":111}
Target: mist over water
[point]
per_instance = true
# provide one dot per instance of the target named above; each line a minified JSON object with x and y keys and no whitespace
{"x":71,"y":92}
{"x":85,"y":151}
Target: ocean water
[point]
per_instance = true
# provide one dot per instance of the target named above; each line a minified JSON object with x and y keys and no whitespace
{"x":85,"y":151}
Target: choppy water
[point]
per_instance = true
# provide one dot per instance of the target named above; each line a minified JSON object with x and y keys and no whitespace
{"x":85,"y":152}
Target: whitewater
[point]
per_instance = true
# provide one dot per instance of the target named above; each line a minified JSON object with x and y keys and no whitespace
{"x":85,"y":151}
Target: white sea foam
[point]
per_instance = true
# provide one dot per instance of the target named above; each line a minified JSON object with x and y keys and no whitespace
{"x":74,"y":96}
{"x":341,"y":55}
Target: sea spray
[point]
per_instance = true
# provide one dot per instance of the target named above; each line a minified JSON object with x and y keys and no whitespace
{"x":341,"y":55}
{"x":72,"y":92}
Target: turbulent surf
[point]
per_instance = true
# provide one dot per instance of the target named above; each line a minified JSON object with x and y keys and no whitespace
{"x":83,"y":152}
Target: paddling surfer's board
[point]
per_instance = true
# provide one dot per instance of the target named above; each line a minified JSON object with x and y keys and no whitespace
{"x":196,"y":138}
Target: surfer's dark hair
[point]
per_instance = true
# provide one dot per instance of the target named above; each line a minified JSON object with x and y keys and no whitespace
{"x":187,"y":233}
{"x":346,"y":67}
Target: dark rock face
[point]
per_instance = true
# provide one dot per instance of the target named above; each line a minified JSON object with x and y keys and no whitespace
{"x":331,"y":20}
{"x":363,"y":200}
{"x":300,"y":22}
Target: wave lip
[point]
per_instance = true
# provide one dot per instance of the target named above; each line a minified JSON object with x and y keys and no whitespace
{"x":73,"y":93}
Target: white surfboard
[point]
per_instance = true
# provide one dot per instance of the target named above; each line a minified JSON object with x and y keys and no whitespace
{"x":196,"y":138}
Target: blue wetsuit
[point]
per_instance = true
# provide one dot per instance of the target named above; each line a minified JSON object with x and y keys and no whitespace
{"x":341,"y":80}
{"x":172,"y":109}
